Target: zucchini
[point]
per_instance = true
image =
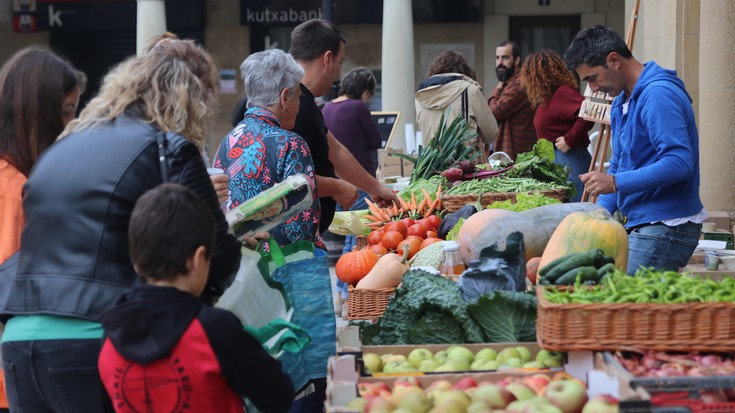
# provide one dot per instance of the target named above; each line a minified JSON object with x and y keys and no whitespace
{"x":548,"y":267}
{"x":587,"y":273}
{"x":605,"y":269}
{"x":602,"y":259}
{"x":584,"y":259}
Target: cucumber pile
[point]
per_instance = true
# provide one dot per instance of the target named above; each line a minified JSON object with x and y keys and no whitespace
{"x":590,"y":267}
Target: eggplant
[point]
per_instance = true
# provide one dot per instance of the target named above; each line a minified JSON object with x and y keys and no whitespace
{"x":451,"y":220}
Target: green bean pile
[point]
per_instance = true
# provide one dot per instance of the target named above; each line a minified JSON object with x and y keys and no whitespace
{"x":478,"y":186}
{"x":647,"y":286}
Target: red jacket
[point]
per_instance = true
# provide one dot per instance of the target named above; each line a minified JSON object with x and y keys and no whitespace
{"x":560,"y":118}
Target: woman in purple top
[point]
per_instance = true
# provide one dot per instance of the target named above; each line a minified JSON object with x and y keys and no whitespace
{"x":349,"y":119}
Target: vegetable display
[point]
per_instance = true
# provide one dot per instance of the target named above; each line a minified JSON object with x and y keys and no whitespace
{"x":355,"y":265}
{"x":587,"y":268}
{"x":479,"y":186}
{"x":583,"y":231}
{"x":648,"y":286}
{"x":387,"y":272}
{"x":539,"y":164}
{"x":506,"y":316}
{"x":524,"y":201}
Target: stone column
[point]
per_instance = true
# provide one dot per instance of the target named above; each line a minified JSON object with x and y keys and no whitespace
{"x":151,"y":21}
{"x":717,"y":104}
{"x":398,"y":82}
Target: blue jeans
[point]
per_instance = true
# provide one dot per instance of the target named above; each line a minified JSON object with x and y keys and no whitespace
{"x":578,"y":159}
{"x":51,"y":376}
{"x":351,"y":240}
{"x":662,"y":247}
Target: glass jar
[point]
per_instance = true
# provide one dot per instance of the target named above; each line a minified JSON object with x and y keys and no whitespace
{"x":451,"y":263}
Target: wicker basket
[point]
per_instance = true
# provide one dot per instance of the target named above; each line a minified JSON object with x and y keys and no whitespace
{"x":631,"y":326}
{"x":454,"y":202}
{"x":367,"y":304}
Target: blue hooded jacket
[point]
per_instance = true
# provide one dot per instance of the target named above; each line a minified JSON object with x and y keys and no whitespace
{"x":655,"y":151}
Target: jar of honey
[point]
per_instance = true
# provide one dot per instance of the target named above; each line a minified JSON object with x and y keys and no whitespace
{"x":451,"y":263}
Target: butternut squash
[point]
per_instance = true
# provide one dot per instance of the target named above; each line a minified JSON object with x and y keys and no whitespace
{"x":583,"y":231}
{"x":387,"y":272}
{"x":490,"y":227}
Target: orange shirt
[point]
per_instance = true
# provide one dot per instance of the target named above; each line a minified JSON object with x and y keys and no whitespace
{"x":11,"y":209}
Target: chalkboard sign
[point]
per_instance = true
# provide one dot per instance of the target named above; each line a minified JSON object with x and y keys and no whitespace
{"x":386,"y":122}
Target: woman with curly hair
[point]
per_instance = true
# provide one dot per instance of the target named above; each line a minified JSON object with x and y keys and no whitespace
{"x":142,"y":129}
{"x":449,"y":76}
{"x":554,"y":91}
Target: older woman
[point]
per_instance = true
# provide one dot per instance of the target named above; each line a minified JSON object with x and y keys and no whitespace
{"x":261,"y":151}
{"x":138,"y":132}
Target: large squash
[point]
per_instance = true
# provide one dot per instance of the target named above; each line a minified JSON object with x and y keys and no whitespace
{"x":492,"y":226}
{"x":583,"y":231}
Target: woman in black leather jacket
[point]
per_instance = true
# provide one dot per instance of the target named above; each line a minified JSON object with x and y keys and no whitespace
{"x":141,"y":130}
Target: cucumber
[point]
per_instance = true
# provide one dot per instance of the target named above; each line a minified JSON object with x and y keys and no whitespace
{"x":587,"y":273}
{"x":605,"y":269}
{"x":602,"y":259}
{"x":548,"y":267}
{"x":583,"y":259}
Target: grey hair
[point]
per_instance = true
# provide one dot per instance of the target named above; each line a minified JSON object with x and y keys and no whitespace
{"x":267,"y":73}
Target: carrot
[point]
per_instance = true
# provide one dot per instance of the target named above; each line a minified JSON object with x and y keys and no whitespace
{"x":375,"y":210}
{"x":422,"y":204}
{"x":413,"y":201}
{"x":427,"y":197}
{"x":396,"y":212}
{"x":404,"y":206}
{"x":373,"y":218}
{"x":439,"y":191}
{"x":432,"y":208}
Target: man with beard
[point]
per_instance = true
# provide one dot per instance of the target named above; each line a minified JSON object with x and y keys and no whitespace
{"x":510,"y":105}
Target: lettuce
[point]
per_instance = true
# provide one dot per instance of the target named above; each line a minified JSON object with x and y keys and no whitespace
{"x":506,"y":316}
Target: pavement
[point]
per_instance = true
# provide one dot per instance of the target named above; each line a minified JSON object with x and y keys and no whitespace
{"x":341,"y":322}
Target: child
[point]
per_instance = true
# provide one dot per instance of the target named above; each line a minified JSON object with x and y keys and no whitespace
{"x":165,"y":351}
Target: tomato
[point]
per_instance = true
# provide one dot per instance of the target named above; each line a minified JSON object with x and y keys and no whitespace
{"x":408,"y":222}
{"x":431,"y":234}
{"x":414,"y":245}
{"x":434,"y":220}
{"x":429,"y":241}
{"x":378,"y":249}
{"x":396,"y":226}
{"x":391,"y":239}
{"x":421,"y":239}
{"x":374,"y":237}
{"x":417,"y":230}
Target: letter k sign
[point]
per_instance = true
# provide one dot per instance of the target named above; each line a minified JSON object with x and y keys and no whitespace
{"x":54,"y":16}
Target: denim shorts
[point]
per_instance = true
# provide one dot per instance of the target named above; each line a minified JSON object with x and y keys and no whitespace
{"x":661,"y":246}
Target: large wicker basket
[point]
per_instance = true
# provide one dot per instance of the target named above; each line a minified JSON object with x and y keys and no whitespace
{"x":630,"y":326}
{"x":367,"y":304}
{"x":454,"y":202}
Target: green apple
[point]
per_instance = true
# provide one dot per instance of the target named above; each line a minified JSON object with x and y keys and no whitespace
{"x":397,"y":367}
{"x":513,"y":363}
{"x":460,"y":364}
{"x":508,"y":353}
{"x":394,"y":357}
{"x":533,"y":365}
{"x":448,"y":406}
{"x":544,"y":355}
{"x":481,"y":364}
{"x":440,"y":356}
{"x":402,"y":410}
{"x":495,"y":396}
{"x":520,"y":390}
{"x":373,"y":363}
{"x":446,"y":367}
{"x":400,"y":392}
{"x":486,"y":354}
{"x":415,"y":402}
{"x":553,"y":362}
{"x":525,"y":353}
{"x":478,"y":407}
{"x":357,"y":404}
{"x":457,"y":395}
{"x":417,"y":355}
{"x":460,"y":353}
{"x":428,"y":365}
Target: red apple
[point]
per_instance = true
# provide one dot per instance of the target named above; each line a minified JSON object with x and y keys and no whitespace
{"x":568,"y":395}
{"x":407,"y":381}
{"x":537,"y":382}
{"x":465,"y":383}
{"x":603,"y":403}
{"x":379,"y":404}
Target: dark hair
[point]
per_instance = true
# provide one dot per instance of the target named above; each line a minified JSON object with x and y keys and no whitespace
{"x":451,"y":62}
{"x":167,"y":225}
{"x":592,"y":45}
{"x":516,"y":48}
{"x":356,"y":82}
{"x":33,"y":84}
{"x":314,"y":37}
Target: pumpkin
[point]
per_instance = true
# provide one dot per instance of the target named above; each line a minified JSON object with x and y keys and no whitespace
{"x":387,"y":272}
{"x":583,"y":231}
{"x":532,"y":269}
{"x":355,"y":265}
{"x":492,"y":226}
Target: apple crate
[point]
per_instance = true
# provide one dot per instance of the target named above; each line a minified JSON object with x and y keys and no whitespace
{"x":667,"y":327}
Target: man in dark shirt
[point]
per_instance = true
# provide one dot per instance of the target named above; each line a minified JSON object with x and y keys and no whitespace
{"x":510,"y":105}
{"x":319,"y":47}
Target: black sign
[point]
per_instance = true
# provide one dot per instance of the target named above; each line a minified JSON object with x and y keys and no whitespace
{"x":386,"y":122}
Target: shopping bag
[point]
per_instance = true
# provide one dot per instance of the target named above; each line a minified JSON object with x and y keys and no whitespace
{"x":303,"y":271}
{"x":262,"y":306}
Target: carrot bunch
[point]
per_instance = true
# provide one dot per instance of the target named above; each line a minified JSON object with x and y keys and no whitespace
{"x":411,"y":209}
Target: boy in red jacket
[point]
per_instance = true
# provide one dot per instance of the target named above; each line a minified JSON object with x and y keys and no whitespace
{"x":166,"y":351}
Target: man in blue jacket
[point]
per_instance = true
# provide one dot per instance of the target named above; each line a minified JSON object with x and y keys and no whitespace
{"x":653,"y":179}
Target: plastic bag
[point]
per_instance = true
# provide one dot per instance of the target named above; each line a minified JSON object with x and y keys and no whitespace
{"x":496,"y":270}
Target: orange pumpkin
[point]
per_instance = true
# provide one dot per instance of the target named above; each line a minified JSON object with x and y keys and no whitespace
{"x":583,"y":231}
{"x":353,"y":266}
{"x":532,"y":269}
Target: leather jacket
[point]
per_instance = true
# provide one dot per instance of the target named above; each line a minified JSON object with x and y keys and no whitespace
{"x":77,"y":203}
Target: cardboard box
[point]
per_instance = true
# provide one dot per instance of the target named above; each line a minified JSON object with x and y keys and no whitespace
{"x":719,"y":235}
{"x":699,"y":270}
{"x":390,"y":165}
{"x":407,"y":167}
{"x":720,"y":218}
